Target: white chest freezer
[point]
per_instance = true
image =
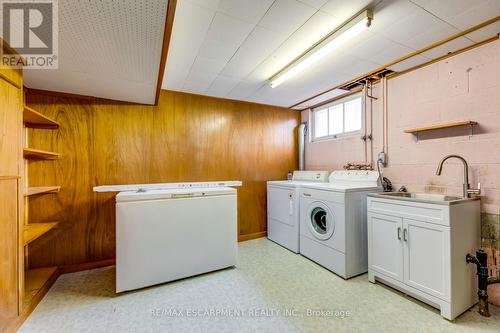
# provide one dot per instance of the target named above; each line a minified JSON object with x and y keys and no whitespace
{"x":165,"y":235}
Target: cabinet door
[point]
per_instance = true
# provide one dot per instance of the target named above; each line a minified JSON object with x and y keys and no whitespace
{"x":10,"y":128}
{"x":385,"y":246}
{"x":8,"y":248}
{"x":426,"y":257}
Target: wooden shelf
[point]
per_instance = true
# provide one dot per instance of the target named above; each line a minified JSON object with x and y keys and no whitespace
{"x":35,"y":230}
{"x":34,"y":119}
{"x":441,"y":126}
{"x":36,"y":154}
{"x":40,"y":190}
{"x":35,"y":280}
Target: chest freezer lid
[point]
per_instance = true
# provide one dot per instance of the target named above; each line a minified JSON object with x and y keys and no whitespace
{"x":178,"y":193}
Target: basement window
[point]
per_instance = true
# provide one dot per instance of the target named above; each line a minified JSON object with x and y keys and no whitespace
{"x":341,"y":117}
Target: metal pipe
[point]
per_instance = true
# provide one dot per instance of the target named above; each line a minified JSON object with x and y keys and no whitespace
{"x":481,"y":262}
{"x":302,"y":148}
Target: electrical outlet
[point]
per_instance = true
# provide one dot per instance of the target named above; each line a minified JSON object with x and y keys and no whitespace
{"x":382,"y":157}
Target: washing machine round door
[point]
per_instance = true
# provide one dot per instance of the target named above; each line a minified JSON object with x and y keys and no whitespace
{"x":321,"y":221}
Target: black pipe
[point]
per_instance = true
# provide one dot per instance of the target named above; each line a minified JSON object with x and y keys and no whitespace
{"x":481,"y":262}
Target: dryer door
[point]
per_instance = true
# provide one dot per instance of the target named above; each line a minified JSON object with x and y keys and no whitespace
{"x":321,"y":220}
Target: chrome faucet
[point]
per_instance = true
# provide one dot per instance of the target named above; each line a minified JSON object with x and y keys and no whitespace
{"x":467,"y":191}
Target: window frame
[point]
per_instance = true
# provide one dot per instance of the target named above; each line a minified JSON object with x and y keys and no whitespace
{"x":329,"y":105}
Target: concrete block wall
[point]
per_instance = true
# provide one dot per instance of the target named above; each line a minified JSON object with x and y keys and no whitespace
{"x":463,"y":87}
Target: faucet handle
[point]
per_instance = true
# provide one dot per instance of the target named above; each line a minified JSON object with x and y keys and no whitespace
{"x":475,"y":191}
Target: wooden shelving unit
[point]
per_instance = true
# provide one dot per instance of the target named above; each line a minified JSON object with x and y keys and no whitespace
{"x":35,"y":280}
{"x":33,"y":231}
{"x":36,"y":154}
{"x":34,"y":119}
{"x":34,"y":190}
{"x":441,"y":126}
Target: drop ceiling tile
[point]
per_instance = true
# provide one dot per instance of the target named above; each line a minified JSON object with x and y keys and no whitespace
{"x":244,"y":89}
{"x":360,"y":67}
{"x":344,"y":10}
{"x":386,"y":13}
{"x":202,"y":64}
{"x":484,"y":33}
{"x":262,"y":94}
{"x":286,"y":16}
{"x":198,"y":82}
{"x":315,"y":29}
{"x":372,"y":45}
{"x":444,"y":49}
{"x":256,"y":48}
{"x":186,"y":41}
{"x":224,"y":37}
{"x":208,"y":4}
{"x":174,"y":79}
{"x":315,"y":3}
{"x":390,"y":54}
{"x":431,"y":35}
{"x":482,"y":11}
{"x":461,"y":13}
{"x":419,"y":22}
{"x":409,"y":63}
{"x":341,"y":62}
{"x":250,"y":11}
{"x":222,"y":85}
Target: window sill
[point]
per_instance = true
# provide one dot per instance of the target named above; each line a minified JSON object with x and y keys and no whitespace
{"x":337,"y":137}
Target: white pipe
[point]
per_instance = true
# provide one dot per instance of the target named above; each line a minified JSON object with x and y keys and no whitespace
{"x":302,"y":148}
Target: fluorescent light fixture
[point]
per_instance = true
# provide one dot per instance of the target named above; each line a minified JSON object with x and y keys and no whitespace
{"x":333,"y":41}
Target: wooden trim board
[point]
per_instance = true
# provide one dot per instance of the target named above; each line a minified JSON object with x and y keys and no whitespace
{"x":167,"y":34}
{"x":445,"y":56}
{"x":260,"y":234}
{"x":347,"y":93}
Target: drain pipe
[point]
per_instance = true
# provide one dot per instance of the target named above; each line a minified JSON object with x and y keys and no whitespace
{"x":302,"y":147}
{"x":480,"y":260}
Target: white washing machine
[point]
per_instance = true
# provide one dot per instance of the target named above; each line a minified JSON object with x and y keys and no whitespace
{"x":333,"y":229}
{"x":283,"y":207}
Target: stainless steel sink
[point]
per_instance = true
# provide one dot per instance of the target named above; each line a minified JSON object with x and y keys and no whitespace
{"x":423,"y":197}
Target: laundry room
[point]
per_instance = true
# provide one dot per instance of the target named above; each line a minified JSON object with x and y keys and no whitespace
{"x":250,"y":166}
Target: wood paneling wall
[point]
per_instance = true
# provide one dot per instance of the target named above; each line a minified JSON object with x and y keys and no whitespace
{"x":11,"y":214}
{"x":184,"y":138}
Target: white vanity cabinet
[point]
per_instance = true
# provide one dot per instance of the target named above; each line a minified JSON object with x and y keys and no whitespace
{"x":420,"y":247}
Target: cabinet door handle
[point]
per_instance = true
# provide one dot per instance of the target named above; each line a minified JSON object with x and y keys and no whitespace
{"x":399,"y":233}
{"x":405,"y":235}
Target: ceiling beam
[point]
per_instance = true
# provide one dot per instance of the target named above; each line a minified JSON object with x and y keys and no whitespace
{"x":167,"y":34}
